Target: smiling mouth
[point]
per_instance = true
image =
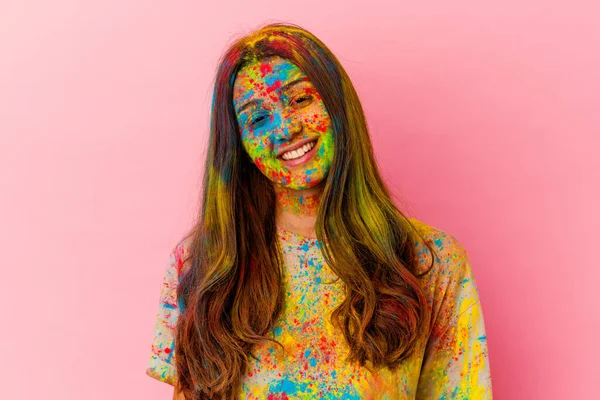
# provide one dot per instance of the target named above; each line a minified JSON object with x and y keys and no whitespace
{"x":299,"y":152}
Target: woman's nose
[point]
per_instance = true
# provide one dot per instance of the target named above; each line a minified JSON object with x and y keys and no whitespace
{"x":289,"y":126}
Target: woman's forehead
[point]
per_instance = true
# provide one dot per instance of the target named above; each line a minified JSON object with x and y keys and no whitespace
{"x":269,"y":69}
{"x":264,"y":75}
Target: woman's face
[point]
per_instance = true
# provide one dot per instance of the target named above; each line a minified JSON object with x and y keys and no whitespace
{"x":284,"y":126}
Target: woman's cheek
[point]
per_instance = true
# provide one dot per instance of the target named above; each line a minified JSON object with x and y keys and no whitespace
{"x":255,"y":152}
{"x":316,"y":118}
{"x":258,"y":150}
{"x":319,"y":123}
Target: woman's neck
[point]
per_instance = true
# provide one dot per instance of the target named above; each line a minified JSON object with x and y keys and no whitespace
{"x":296,"y":210}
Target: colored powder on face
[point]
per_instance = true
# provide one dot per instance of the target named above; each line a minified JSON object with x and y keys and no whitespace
{"x":275,"y":121}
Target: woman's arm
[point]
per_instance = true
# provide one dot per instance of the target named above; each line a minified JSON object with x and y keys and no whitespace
{"x":456,"y":360}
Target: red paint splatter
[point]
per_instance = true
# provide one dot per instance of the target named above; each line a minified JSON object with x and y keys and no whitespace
{"x":276,"y":85}
{"x":321,"y":127}
{"x":265,"y":68}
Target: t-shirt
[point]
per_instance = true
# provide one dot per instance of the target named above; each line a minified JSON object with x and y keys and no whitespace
{"x":450,"y":362}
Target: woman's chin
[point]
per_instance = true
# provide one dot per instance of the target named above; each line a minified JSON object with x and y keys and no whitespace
{"x":300,"y":184}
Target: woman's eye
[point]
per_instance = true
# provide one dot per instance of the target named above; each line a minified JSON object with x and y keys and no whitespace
{"x":302,"y":100}
{"x":258,"y":119}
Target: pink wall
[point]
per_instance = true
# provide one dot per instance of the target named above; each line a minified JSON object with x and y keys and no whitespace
{"x":485,"y":118}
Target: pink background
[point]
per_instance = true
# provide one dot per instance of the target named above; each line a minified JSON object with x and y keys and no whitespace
{"x":484,"y":118}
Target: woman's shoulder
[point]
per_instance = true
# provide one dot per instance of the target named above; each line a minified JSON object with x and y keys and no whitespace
{"x":450,"y":282}
{"x":444,"y":244}
{"x":451,"y":260}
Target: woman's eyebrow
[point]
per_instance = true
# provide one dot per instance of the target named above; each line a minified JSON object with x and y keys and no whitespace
{"x":283,"y":88}
{"x":288,"y":85}
{"x":251,"y":103}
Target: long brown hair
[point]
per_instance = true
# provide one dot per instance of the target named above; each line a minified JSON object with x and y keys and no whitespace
{"x":232,"y":293}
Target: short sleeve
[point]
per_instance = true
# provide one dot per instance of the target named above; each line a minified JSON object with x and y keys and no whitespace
{"x":161,"y":364}
{"x":456,"y":362}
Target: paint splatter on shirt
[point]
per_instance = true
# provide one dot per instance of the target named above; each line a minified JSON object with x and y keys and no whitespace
{"x":451,"y":362}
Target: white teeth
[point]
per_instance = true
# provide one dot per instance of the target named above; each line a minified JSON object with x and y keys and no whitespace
{"x":290,"y":155}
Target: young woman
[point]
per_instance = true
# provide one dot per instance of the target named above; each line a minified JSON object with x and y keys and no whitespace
{"x":301,"y":278}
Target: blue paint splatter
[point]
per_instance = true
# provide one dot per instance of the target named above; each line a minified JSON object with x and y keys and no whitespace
{"x":288,"y":387}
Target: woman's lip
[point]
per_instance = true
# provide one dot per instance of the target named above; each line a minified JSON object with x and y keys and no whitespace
{"x":301,"y":160}
{"x":297,"y":146}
